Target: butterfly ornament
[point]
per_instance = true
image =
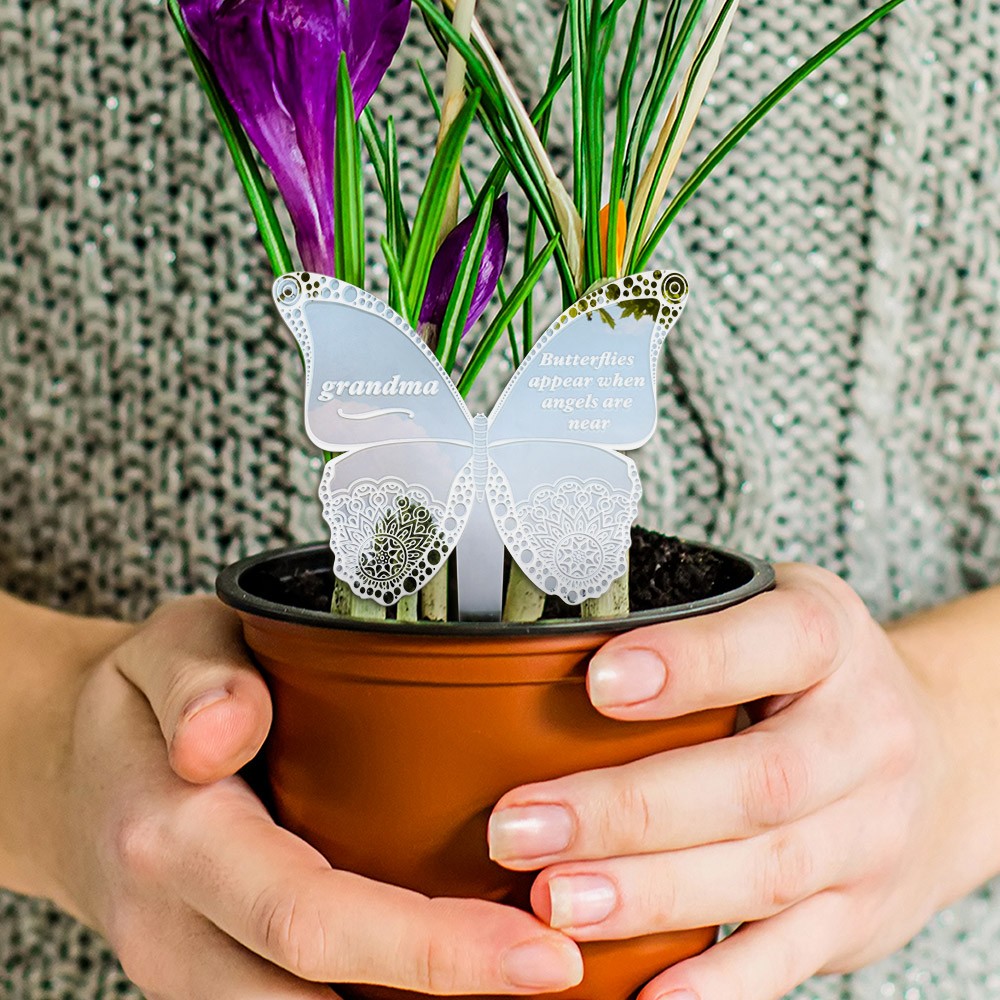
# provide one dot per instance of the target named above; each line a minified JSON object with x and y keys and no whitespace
{"x":415,"y":475}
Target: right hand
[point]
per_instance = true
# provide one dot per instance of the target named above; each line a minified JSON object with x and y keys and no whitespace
{"x":156,"y":842}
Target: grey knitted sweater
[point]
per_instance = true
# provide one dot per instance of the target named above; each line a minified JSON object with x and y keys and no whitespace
{"x":832,"y":394}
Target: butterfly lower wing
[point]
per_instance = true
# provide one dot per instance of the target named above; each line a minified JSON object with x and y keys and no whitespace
{"x":395,"y":513}
{"x":565,"y":512}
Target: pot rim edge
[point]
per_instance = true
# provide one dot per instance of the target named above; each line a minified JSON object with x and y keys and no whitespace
{"x":231,"y":593}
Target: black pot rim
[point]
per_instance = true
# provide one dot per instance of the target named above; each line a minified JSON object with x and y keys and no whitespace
{"x":231,"y":592}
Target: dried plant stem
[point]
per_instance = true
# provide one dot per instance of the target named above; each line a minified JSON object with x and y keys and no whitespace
{"x":567,"y":217}
{"x":434,"y":597}
{"x":674,"y":134}
{"x":612,"y":604}
{"x":452,"y":99}
{"x":524,"y":602}
{"x":346,"y":602}
{"x":406,"y":609}
{"x":340,"y":602}
{"x":362,"y":608}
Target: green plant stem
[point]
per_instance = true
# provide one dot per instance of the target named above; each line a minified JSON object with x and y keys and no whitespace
{"x":725,"y":146}
{"x":239,"y":149}
{"x":518,"y":294}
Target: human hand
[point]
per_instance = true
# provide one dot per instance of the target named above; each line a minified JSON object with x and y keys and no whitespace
{"x":198,"y":891}
{"x":827,"y":827}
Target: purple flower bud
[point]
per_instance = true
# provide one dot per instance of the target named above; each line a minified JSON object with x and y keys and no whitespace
{"x":448,"y":259}
{"x":276,"y":61}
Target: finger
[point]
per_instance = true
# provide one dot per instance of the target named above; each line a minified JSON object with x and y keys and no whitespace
{"x":761,"y":961}
{"x":763,"y":779}
{"x":212,"y":706}
{"x":780,"y":642}
{"x":277,"y":896}
{"x":699,"y":887}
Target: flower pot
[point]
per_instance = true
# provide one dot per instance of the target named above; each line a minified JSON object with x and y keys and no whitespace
{"x":392,"y":741}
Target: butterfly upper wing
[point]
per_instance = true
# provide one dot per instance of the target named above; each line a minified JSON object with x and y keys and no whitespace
{"x":369,"y":377}
{"x":591,"y":378}
{"x":565,"y":512}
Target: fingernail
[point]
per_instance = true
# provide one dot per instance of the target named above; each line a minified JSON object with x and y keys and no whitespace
{"x":579,"y":900}
{"x":626,"y":678}
{"x":678,"y":995}
{"x":542,"y":965}
{"x":203,"y":701}
{"x":529,"y":832}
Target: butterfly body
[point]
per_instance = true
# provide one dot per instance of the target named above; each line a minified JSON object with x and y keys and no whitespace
{"x":419,"y":476}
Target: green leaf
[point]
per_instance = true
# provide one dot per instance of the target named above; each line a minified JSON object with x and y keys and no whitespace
{"x":577,"y":37}
{"x":735,"y":134}
{"x":518,"y":295}
{"x":598,"y":44}
{"x":616,"y":185}
{"x":427,"y":221}
{"x":455,"y":316}
{"x":348,"y":187}
{"x":705,"y":51}
{"x":669,"y":54}
{"x":397,"y":290}
{"x":542,"y":121}
{"x":399,"y":226}
{"x":501,"y":126}
{"x":240,"y":150}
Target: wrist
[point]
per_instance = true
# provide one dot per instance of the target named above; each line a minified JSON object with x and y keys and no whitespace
{"x":47,"y":658}
{"x":953,"y":653}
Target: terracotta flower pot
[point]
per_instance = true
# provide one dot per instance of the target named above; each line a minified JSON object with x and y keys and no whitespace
{"x":392,"y":741}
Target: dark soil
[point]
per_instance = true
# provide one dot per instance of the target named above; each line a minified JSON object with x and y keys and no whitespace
{"x":663,"y":571}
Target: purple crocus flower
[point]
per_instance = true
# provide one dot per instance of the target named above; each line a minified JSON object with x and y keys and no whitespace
{"x":276,"y":61}
{"x":447,"y":260}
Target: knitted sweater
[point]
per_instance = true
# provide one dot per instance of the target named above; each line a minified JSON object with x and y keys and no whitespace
{"x":832,"y":393}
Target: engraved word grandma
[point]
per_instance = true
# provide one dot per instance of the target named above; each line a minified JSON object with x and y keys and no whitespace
{"x":394,"y":386}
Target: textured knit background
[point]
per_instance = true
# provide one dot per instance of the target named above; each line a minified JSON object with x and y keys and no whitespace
{"x":833,"y":392}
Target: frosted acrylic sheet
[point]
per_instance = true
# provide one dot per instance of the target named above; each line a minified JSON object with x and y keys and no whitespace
{"x":417,"y":476}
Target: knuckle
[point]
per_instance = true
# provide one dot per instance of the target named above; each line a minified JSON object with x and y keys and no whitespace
{"x":775,"y":785}
{"x":626,"y":820}
{"x":293,"y":933}
{"x":818,"y":629}
{"x":902,"y":740}
{"x":786,"y":873}
{"x":139,"y":843}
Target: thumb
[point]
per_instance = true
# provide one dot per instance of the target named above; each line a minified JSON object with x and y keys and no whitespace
{"x":189,"y":661}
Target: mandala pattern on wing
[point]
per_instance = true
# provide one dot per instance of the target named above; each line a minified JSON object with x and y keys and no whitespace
{"x":575,"y":531}
{"x":388,"y":537}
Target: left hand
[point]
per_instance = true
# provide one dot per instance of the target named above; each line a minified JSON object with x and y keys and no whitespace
{"x":822,"y":827}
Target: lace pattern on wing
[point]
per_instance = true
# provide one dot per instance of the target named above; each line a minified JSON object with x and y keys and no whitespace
{"x":390,"y":537}
{"x":570,"y":537}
